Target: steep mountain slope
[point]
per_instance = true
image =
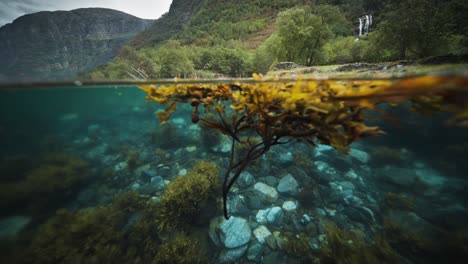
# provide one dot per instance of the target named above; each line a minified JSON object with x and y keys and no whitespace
{"x":58,"y":45}
{"x":209,"y":22}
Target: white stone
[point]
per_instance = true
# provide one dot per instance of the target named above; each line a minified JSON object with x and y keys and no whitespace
{"x":261,"y":217}
{"x":321,"y":165}
{"x":261,"y":233}
{"x":274,"y":215}
{"x":321,"y":148}
{"x":289,"y":206}
{"x":191,"y":149}
{"x":267,"y":192}
{"x":360,"y":155}
{"x":120,"y":166}
{"x":351,"y":174}
{"x":234,"y":232}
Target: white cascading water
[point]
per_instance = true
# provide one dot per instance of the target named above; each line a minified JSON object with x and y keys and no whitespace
{"x":366,"y":26}
{"x":365,"y":23}
{"x":360,"y":27}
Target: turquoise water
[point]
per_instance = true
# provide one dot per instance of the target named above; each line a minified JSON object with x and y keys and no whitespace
{"x":67,"y":153}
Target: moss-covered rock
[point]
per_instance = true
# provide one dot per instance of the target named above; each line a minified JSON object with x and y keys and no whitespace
{"x":185,"y":197}
{"x":343,"y":246}
{"x":108,"y":234}
{"x":182,"y":250}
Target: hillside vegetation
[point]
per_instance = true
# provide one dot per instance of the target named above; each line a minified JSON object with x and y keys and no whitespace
{"x":205,"y":39}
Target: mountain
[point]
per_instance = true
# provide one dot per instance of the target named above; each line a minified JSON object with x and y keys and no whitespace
{"x":169,"y":24}
{"x":58,"y":45}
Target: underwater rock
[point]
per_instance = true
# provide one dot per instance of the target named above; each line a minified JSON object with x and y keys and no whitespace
{"x":120,"y":166}
{"x":261,"y":233}
{"x":232,"y":255}
{"x":320,"y":211}
{"x":321,"y":148}
{"x":191,"y":149}
{"x":351,"y":175}
{"x":11,"y":226}
{"x":146,"y":155}
{"x":397,"y":176}
{"x":359,"y":214}
{"x":325,"y":168}
{"x":97,"y":152}
{"x":93,"y":129}
{"x":360,"y":155}
{"x":289,"y":206}
{"x":68,"y":117}
{"x":135,"y":186}
{"x":321,"y":165}
{"x":412,"y":223}
{"x":267,"y":193}
{"x":158,"y":183}
{"x":347,"y":185}
{"x":288,"y":185}
{"x":235,"y":204}
{"x":306,"y":218}
{"x":234,"y":232}
{"x":273,"y":257}
{"x":430,"y":177}
{"x":274,"y":215}
{"x":270,"y":180}
{"x":179,"y":122}
{"x":147,"y":174}
{"x":261,"y":216}
{"x":285,"y":158}
{"x":353,"y":200}
{"x":255,"y":252}
{"x":314,"y":245}
{"x":213,"y":229}
{"x":224,"y":146}
{"x":245,"y":180}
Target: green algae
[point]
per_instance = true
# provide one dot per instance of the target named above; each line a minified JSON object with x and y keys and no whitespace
{"x":184,"y":198}
{"x":346,"y":247}
{"x":182,"y":249}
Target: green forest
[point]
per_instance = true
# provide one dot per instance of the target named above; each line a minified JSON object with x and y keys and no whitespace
{"x":238,"y":38}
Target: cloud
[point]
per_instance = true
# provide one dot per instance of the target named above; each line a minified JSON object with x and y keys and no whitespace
{"x":12,"y":9}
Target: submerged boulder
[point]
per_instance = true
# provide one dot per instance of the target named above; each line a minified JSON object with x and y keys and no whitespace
{"x":266,"y":192}
{"x":232,"y":255}
{"x":360,"y":155}
{"x":234,"y":232}
{"x":288,"y":185}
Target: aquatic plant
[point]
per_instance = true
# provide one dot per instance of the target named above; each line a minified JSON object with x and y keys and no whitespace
{"x":325,"y":111}
{"x":404,"y":239}
{"x":185,"y":197}
{"x":55,"y":175}
{"x":182,"y":249}
{"x":398,"y":201}
{"x":298,"y":246}
{"x":95,"y":235}
{"x":343,"y":246}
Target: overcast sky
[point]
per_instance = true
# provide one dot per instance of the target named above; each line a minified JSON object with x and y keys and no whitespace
{"x":11,"y":9}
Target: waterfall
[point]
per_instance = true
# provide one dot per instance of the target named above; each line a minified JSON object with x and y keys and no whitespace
{"x":360,"y":26}
{"x":366,"y":26}
{"x":365,"y":23}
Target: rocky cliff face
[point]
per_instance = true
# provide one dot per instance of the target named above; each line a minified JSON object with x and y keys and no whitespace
{"x":169,"y":24}
{"x":58,"y":45}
